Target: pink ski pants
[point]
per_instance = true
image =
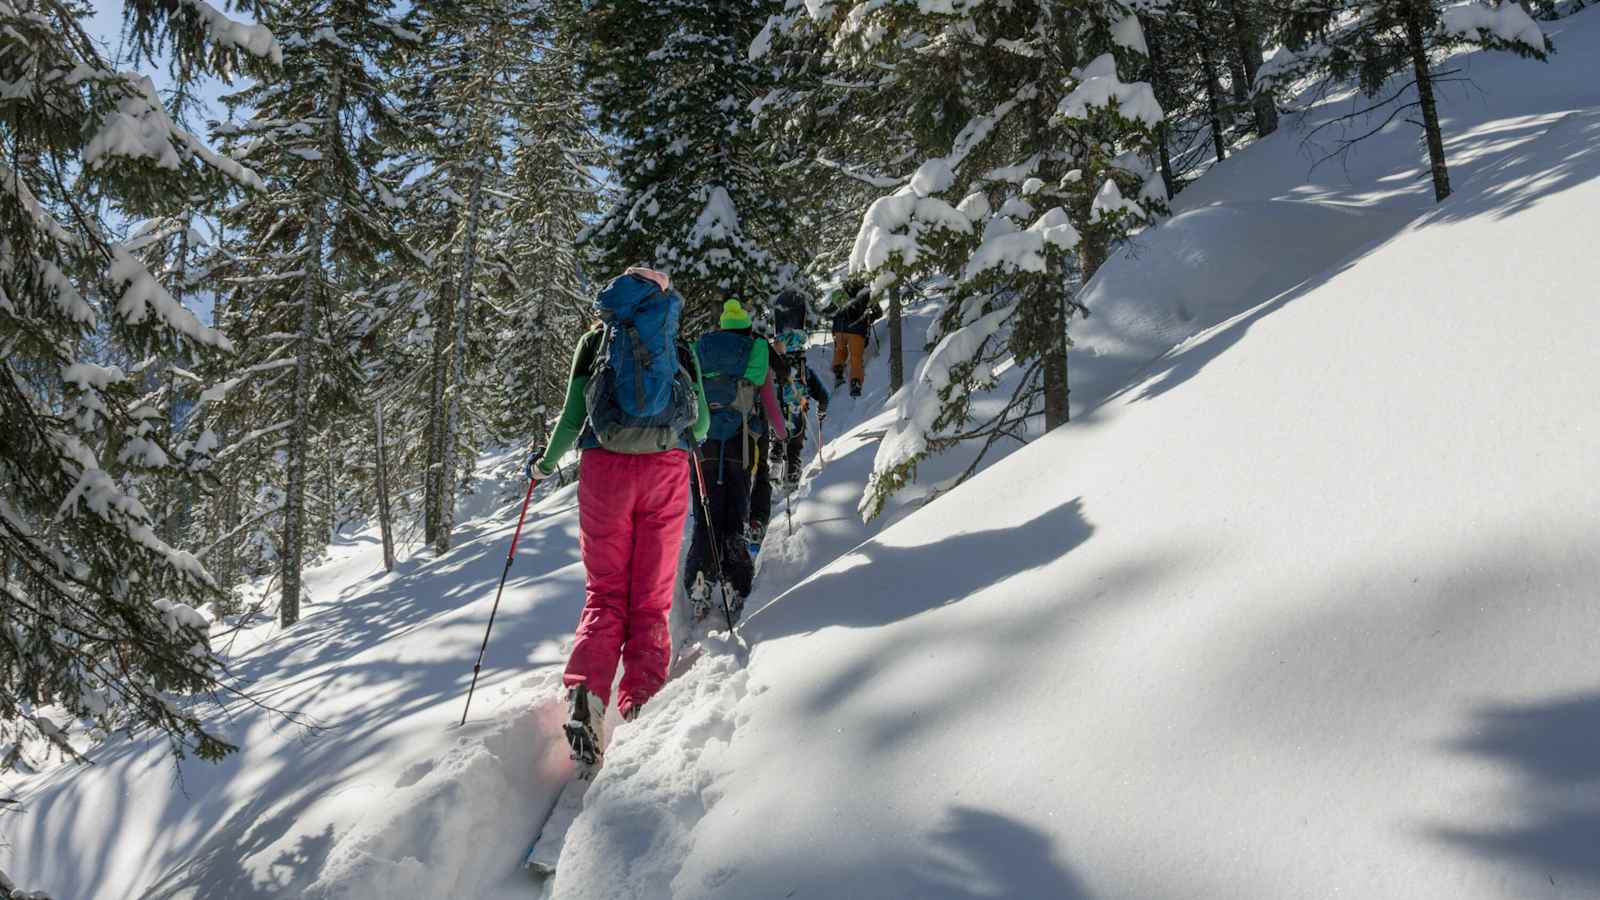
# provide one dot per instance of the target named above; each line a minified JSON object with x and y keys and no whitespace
{"x":631,"y":512}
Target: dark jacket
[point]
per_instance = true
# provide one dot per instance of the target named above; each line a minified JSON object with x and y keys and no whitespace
{"x":856,"y":316}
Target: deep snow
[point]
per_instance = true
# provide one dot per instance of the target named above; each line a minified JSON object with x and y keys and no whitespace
{"x":1301,"y":605}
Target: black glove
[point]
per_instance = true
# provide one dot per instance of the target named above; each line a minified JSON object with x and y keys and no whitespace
{"x":532,"y":465}
{"x":822,"y":414}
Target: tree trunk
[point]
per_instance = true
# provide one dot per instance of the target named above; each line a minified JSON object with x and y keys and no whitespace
{"x":1163,"y":88}
{"x":381,"y":485}
{"x":294,"y":513}
{"x":1238,"y":81}
{"x":1430,"y":111}
{"x":458,"y":364}
{"x":1249,"y":44}
{"x":897,"y":363}
{"x":1057,"y":392}
{"x":443,"y":332}
{"x":1213,"y":101}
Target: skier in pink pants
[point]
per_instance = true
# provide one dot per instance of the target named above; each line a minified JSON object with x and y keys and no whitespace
{"x":635,"y":406}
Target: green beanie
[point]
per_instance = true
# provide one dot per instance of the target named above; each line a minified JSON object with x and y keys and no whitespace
{"x":733,"y":316}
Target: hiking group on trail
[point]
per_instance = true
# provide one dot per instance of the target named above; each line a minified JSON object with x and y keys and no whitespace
{"x":655,"y":418}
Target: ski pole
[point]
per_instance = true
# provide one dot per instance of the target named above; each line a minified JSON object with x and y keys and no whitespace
{"x":822,"y":461}
{"x":510,"y":555}
{"x":711,"y":538}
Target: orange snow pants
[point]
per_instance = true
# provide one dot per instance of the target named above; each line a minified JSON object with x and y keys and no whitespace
{"x":854,"y":348}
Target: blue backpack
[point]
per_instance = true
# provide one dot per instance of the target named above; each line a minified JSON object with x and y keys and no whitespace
{"x":640,"y":396}
{"x":732,"y":369}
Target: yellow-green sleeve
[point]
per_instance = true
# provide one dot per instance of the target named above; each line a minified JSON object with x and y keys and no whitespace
{"x":702,"y":421}
{"x":573,"y":412}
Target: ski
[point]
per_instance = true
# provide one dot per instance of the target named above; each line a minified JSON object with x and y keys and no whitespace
{"x":546,"y":850}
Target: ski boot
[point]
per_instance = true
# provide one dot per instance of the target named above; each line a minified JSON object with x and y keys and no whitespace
{"x":855,"y":388}
{"x":838,"y":377}
{"x":585,"y":729}
{"x":699,"y":597}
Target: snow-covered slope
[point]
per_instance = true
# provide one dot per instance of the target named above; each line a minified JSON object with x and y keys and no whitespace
{"x":1307,"y":610}
{"x":1298,"y":607}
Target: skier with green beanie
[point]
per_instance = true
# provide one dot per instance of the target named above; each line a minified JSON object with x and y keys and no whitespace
{"x":740,"y":372}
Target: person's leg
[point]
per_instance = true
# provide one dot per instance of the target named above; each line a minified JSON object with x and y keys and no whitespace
{"x":841,"y":350}
{"x":605,"y":540}
{"x":793,"y":448}
{"x":761,"y":490}
{"x":737,"y":566}
{"x":857,"y":344}
{"x":659,"y":511}
{"x":698,"y":560}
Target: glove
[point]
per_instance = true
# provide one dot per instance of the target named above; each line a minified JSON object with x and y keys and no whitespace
{"x":532,"y":466}
{"x":822,"y":414}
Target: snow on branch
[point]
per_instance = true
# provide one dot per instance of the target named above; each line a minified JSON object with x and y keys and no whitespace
{"x":1505,"y":25}
{"x":256,"y":40}
{"x":143,"y":295}
{"x":140,"y":129}
{"x":1100,"y":87}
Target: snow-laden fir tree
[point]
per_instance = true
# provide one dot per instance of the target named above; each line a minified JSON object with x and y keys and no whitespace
{"x":672,"y":82}
{"x":98,"y":612}
{"x":319,"y":230}
{"x":1038,"y":156}
{"x":1392,"y":50}
{"x":462,"y":101}
{"x":553,"y":193}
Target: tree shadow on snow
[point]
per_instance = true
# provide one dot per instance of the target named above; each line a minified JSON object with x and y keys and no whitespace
{"x":1553,"y":749}
{"x":1499,"y":171}
{"x":341,"y":646}
{"x":892,"y":583}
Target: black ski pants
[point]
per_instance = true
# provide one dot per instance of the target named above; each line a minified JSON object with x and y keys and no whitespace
{"x":728,"y":498}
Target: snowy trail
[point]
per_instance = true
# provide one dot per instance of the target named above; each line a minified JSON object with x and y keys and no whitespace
{"x":387,"y":796}
{"x":1300,"y":608}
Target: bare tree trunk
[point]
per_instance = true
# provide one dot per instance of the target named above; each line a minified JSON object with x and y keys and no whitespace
{"x":1430,"y":111}
{"x":1057,"y":391}
{"x":1163,"y":88}
{"x":897,"y":362}
{"x":1249,"y":44}
{"x":294,"y":513}
{"x":381,"y":485}
{"x":458,"y":360}
{"x":443,"y":332}
{"x":1213,"y":101}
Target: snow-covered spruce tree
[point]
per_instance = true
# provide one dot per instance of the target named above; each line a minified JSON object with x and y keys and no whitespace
{"x":98,"y":617}
{"x":672,"y":82}
{"x":553,"y":193}
{"x":1326,"y":43}
{"x":1052,"y":163}
{"x":461,"y":102}
{"x":837,"y":135}
{"x":318,"y":231}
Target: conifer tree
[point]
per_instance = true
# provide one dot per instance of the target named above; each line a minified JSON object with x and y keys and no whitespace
{"x":672,"y":82}
{"x":1391,"y":48}
{"x":1039,"y":149}
{"x":303,"y":245}
{"x":98,"y":612}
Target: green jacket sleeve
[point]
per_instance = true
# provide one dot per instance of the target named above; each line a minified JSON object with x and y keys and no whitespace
{"x":702,"y":421}
{"x":574,"y":411}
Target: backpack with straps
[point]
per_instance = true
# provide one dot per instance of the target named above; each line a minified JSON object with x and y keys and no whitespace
{"x":641,"y":395}
{"x":732,"y":369}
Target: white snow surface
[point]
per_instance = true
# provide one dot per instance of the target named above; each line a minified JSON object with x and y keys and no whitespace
{"x":1302,"y":604}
